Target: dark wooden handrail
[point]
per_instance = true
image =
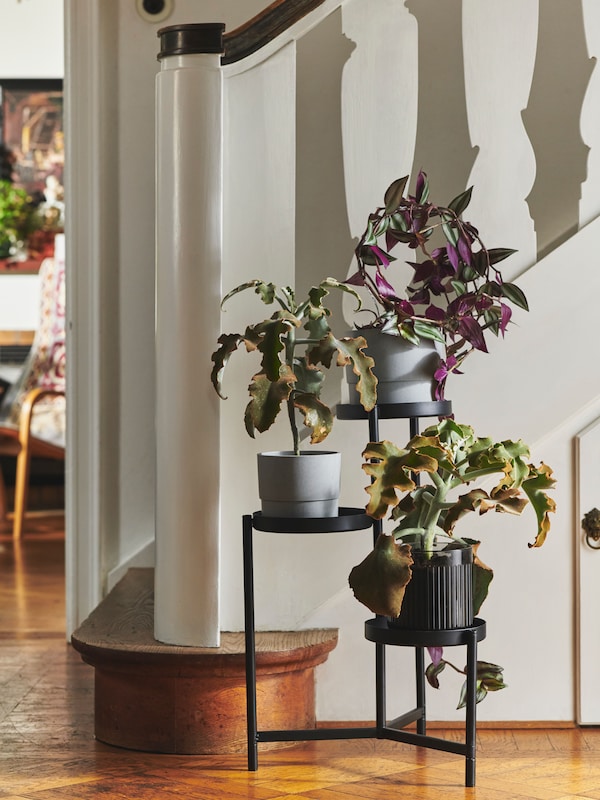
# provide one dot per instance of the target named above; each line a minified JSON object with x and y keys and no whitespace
{"x":264,"y":27}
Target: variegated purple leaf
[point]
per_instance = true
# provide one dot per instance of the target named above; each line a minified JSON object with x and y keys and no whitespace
{"x":469,"y":329}
{"x":405,"y":307}
{"x":435,"y":313}
{"x":453,"y":257}
{"x":385,"y":289}
{"x":504,"y":317}
{"x":464,"y":248}
{"x":355,"y":280}
{"x":381,"y":256}
{"x":435,"y":654}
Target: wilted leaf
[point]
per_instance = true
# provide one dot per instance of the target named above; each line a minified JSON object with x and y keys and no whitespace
{"x":482,"y":577}
{"x":379,"y":582}
{"x":229,"y":343}
{"x":432,"y":673}
{"x":535,"y":489}
{"x":489,"y":679}
{"x":267,"y":397}
{"x":391,"y":471}
{"x":270,"y":335}
{"x":317,"y":416}
{"x":351,"y":351}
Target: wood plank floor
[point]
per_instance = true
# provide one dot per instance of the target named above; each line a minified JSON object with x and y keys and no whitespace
{"x":48,"y":752}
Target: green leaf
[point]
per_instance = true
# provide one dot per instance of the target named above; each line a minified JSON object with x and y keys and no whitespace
{"x":309,"y":379}
{"x":512,"y":292}
{"x":491,"y":317}
{"x":332,"y":283}
{"x":379,"y":581}
{"x":267,"y":397}
{"x":450,"y":233}
{"x":317,"y":327}
{"x":265,"y":290}
{"x":479,"y":266}
{"x":317,"y":416}
{"x":398,"y":223}
{"x":287,"y":300}
{"x":270,"y":335}
{"x":394,"y":194}
{"x":229,"y":343}
{"x":492,"y":288}
{"x":407,"y":331}
{"x":497,"y":254}
{"x":428,"y":330}
{"x":460,"y":202}
{"x":459,"y":287}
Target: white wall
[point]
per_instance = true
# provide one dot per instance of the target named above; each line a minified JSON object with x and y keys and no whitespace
{"x":31,"y":39}
{"x":370,"y":131}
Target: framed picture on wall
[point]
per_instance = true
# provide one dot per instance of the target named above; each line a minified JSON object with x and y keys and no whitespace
{"x":31,"y":130}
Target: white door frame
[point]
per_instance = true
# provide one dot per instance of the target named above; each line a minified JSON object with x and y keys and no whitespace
{"x":91,"y":241}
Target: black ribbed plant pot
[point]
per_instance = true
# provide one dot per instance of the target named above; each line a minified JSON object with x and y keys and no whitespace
{"x":439,"y":595}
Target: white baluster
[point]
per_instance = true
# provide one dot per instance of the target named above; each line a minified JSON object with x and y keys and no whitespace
{"x":589,"y":207}
{"x":500,"y":42}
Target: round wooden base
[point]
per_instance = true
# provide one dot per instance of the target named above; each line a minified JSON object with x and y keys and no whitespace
{"x":167,"y":699}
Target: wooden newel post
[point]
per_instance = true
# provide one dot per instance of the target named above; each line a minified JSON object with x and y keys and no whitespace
{"x":188,"y":290}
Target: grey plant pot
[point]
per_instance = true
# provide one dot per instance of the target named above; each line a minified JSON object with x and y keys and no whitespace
{"x":305,"y":485}
{"x":404,"y":371}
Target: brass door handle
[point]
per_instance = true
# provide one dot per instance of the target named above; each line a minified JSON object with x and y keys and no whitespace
{"x":591,"y":528}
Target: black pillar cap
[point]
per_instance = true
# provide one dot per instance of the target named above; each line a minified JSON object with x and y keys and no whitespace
{"x":201,"y":37}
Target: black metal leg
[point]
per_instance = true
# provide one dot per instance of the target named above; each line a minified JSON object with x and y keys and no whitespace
{"x":420,"y":677}
{"x":380,"y":699}
{"x":250,"y":645}
{"x":471,"y":709}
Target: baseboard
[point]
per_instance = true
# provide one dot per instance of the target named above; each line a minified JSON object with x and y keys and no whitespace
{"x":483,"y":725}
{"x":144,"y":557}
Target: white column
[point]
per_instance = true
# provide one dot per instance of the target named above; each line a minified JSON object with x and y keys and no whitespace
{"x":188,"y":288}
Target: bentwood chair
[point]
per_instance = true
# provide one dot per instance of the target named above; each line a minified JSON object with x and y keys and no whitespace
{"x":32,"y":413}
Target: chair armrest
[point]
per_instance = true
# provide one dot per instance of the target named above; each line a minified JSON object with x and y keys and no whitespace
{"x":31,"y":398}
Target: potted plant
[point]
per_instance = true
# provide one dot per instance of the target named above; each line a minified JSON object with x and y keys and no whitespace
{"x":456,"y":294}
{"x":296,"y":345}
{"x":18,"y":219}
{"x":423,"y":552}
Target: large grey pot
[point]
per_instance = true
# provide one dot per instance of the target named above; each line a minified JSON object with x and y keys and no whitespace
{"x":305,"y":485}
{"x":404,"y":371}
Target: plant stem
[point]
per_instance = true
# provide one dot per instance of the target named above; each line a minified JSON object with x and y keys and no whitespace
{"x":292,"y":416}
{"x":289,"y":357}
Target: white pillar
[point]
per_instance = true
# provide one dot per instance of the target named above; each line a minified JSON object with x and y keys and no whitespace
{"x":188,"y":290}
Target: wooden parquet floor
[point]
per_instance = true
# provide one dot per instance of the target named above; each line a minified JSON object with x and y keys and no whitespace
{"x":48,"y":751}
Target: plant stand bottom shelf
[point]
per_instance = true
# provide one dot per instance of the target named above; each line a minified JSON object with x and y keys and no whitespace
{"x":377,"y":631}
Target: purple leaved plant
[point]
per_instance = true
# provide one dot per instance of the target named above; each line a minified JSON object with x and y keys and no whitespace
{"x":456,"y":294}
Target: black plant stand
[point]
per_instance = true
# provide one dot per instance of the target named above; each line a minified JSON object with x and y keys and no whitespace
{"x":376,"y":630}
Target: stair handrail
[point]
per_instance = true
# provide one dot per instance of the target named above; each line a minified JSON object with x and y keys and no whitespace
{"x":261,"y":29}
